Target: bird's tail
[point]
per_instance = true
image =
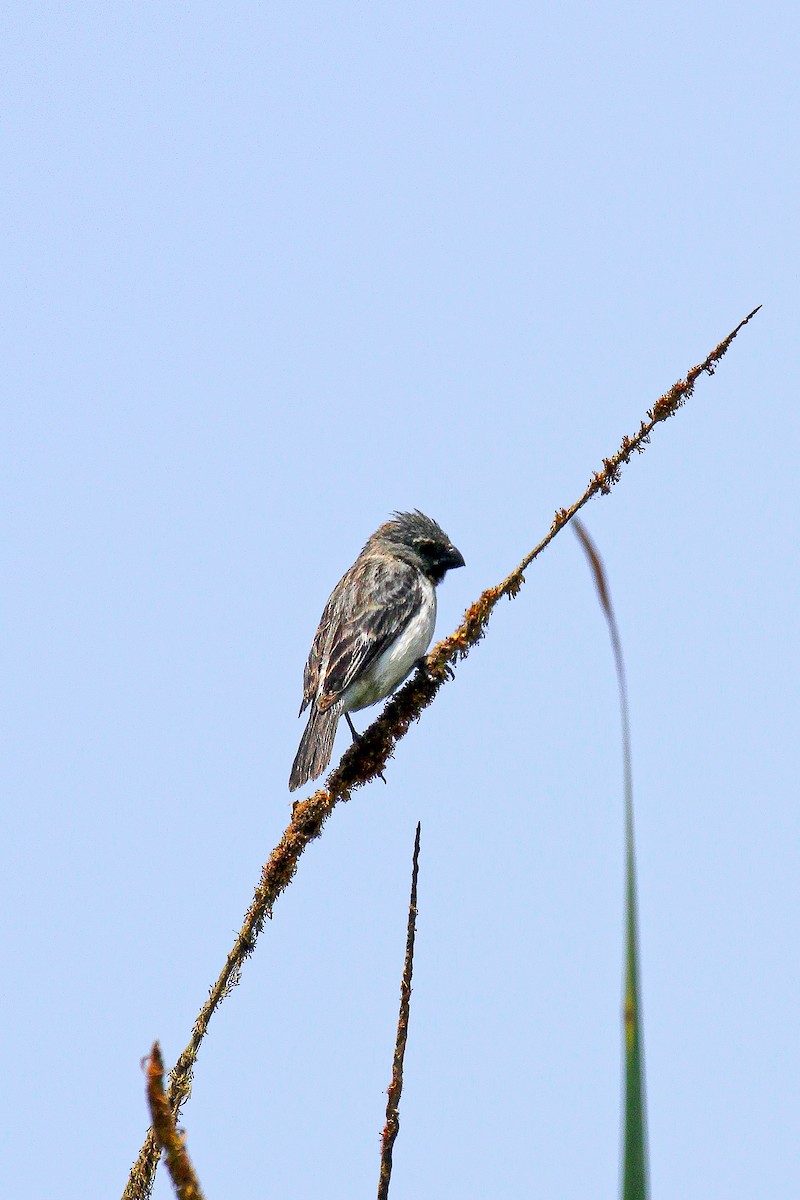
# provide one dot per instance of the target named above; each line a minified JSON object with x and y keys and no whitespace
{"x":316,"y":746}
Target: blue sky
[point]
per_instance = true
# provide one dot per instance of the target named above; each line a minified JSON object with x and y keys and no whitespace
{"x":270,"y":274}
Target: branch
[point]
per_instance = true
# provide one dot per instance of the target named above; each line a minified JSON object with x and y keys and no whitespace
{"x":392,"y":1126}
{"x":367,"y":758}
{"x":166,"y":1133}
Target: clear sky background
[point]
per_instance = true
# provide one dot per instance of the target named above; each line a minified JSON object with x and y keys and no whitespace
{"x":270,"y":272}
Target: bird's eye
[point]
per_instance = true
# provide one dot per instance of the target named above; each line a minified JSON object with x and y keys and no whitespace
{"x":426,"y":546}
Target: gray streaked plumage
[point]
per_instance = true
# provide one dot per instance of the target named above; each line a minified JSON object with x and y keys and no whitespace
{"x":377,"y":624}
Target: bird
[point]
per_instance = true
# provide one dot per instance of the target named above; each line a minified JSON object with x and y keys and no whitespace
{"x":376,"y":626}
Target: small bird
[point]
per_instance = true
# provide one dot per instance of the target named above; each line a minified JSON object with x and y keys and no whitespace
{"x":377,"y":624}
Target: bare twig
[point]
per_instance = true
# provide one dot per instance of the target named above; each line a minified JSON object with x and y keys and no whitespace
{"x":392,"y":1125}
{"x":367,"y":758}
{"x":166,"y":1133}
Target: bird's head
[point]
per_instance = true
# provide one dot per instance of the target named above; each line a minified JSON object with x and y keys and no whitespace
{"x":419,"y":540}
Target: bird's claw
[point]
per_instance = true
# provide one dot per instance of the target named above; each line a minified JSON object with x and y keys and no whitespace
{"x":443,"y":672}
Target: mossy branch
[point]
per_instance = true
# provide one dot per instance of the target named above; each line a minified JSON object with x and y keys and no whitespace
{"x":392,"y":1126}
{"x":368,"y":757}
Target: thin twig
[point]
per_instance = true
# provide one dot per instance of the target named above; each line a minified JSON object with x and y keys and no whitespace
{"x":392,"y":1125}
{"x":367,"y":758}
{"x":167,"y":1136}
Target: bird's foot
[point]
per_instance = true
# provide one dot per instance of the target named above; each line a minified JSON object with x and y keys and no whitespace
{"x":446,"y":671}
{"x":357,"y":739}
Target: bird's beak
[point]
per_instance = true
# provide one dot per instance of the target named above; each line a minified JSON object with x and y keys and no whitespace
{"x":454,"y":558}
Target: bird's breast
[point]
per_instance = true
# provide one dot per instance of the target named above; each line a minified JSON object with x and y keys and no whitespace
{"x":392,"y":666}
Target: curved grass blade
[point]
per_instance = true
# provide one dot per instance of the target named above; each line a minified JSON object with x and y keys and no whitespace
{"x":635,"y":1172}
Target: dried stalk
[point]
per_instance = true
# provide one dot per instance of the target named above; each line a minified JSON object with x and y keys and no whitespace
{"x":392,"y":1126}
{"x":167,"y":1137}
{"x":367,"y":758}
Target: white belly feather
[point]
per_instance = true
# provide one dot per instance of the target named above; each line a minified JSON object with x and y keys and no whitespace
{"x":397,"y":660}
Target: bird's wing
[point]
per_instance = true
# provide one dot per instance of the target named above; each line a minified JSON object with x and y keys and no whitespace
{"x":369,"y":607}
